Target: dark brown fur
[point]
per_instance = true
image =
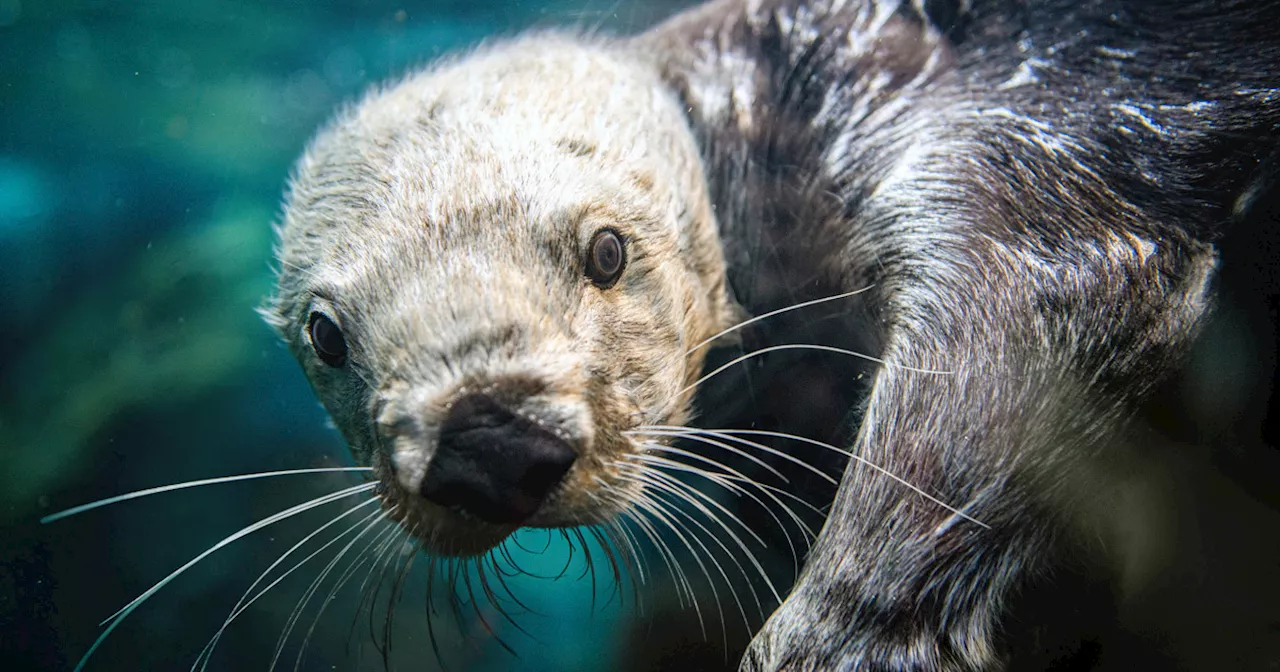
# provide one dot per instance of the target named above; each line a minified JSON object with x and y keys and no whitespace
{"x":1033,"y":191}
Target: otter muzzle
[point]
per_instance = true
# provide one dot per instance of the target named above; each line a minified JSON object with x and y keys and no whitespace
{"x":493,"y":464}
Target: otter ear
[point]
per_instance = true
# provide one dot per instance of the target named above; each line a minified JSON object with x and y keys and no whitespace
{"x":272,"y":312}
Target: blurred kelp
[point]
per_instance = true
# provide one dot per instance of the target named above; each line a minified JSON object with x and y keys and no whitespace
{"x":169,"y":329}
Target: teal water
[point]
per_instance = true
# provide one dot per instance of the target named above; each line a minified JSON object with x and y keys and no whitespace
{"x":144,"y":147}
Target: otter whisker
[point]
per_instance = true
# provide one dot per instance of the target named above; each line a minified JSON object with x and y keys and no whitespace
{"x":613,"y":554}
{"x":633,"y":542}
{"x":722,"y":481}
{"x":795,"y":306}
{"x":202,"y":660}
{"x":516,"y":569}
{"x":115,"y":619}
{"x":684,"y":589}
{"x":590,"y":566}
{"x":586,"y":538}
{"x":679,"y":510}
{"x":730,"y":480}
{"x":408,"y":553}
{"x":700,"y":436}
{"x":190,"y":484}
{"x":625,"y":538}
{"x":399,"y":561}
{"x":617,"y":530}
{"x":365,"y":590}
{"x":495,"y":600}
{"x":808,"y":346}
{"x":501,"y":577}
{"x":431,"y":609}
{"x":606,"y":541}
{"x":545,"y":545}
{"x":635,"y":516}
{"x":864,"y":461}
{"x":568,"y":561}
{"x":677,"y":525}
{"x":619,"y":537}
{"x":670,"y":430}
{"x":342,"y":580}
{"x":731,"y":434}
{"x":311,"y":589}
{"x":570,"y":551}
{"x":502,"y":553}
{"x":677,"y":487}
{"x":472,"y":602}
{"x":731,"y":472}
{"x":728,"y":582}
{"x":648,"y":505}
{"x":703,"y":437}
{"x":491,"y":596}
{"x":521,"y":571}
{"x":569,"y":534}
{"x":381,"y":550}
{"x":455,"y":600}
{"x":637,"y":562}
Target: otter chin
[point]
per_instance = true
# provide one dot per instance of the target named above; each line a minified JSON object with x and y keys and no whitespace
{"x":491,"y":272}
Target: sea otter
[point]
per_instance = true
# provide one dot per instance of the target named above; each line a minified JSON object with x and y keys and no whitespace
{"x":499,"y":274}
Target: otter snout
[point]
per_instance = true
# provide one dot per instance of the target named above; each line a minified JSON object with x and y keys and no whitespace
{"x":494,"y":464}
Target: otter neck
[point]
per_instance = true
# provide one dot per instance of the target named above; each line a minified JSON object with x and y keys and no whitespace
{"x":763,"y":85}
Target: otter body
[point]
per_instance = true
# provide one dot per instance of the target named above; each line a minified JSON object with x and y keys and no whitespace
{"x":498,"y":274}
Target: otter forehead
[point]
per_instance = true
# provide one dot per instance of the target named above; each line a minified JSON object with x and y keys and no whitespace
{"x":491,"y":148}
{"x":531,"y":91}
{"x":445,"y":183}
{"x":509,"y":112}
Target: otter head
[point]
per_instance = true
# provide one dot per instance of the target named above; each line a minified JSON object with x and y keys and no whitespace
{"x":492,"y":270}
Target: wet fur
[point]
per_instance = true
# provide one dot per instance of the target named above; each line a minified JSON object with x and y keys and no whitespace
{"x":1032,"y":190}
{"x":442,"y":223}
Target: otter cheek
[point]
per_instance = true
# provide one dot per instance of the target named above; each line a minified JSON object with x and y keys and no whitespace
{"x":493,"y":464}
{"x":410,"y":461}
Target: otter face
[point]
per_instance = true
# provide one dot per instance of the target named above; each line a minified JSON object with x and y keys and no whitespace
{"x":490,"y":272}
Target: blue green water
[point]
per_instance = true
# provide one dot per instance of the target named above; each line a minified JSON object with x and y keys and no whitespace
{"x":144,"y":147}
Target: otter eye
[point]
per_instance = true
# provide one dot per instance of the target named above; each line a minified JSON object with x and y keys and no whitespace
{"x":327,"y":340}
{"x":606,"y":258}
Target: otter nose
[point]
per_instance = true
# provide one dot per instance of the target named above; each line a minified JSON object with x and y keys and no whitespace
{"x":494,"y":464}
